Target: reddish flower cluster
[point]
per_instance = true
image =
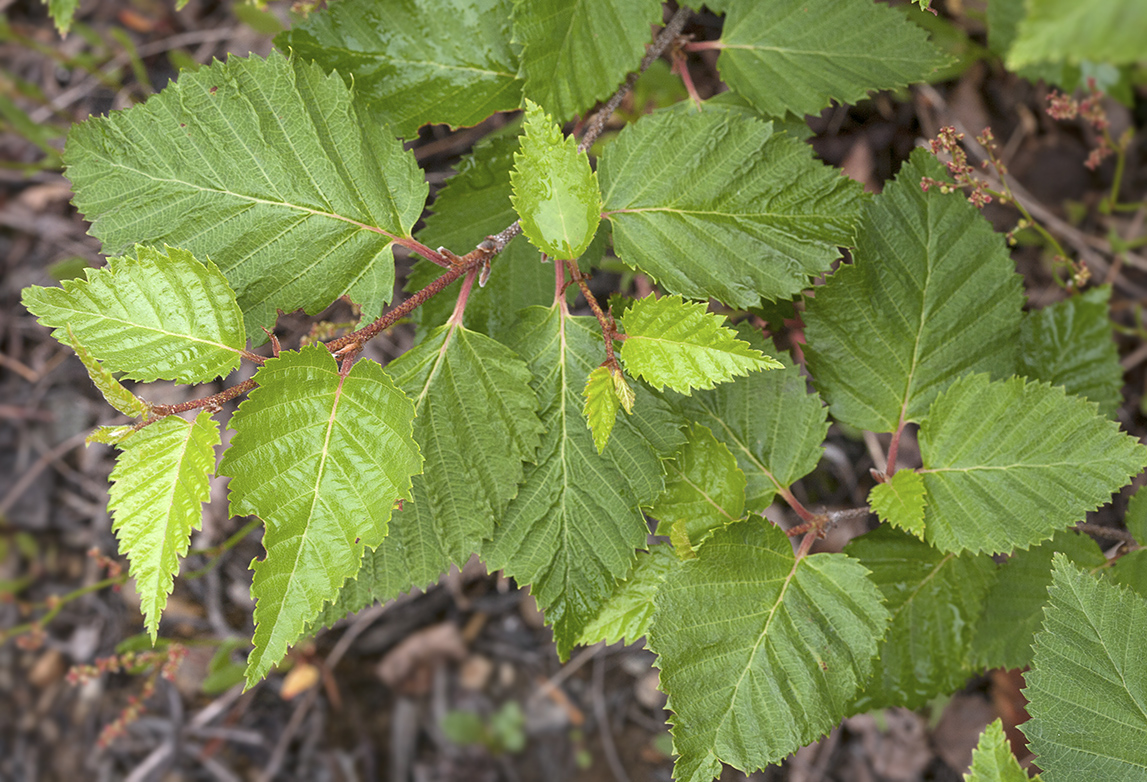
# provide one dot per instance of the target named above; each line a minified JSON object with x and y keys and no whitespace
{"x":1062,"y":106}
{"x":961,"y":170}
{"x":161,"y":662}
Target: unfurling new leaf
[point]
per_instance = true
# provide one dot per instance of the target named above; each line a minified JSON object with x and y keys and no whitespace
{"x":671,"y":342}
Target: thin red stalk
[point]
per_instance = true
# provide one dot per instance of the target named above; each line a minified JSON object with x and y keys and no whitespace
{"x":701,"y":46}
{"x":608,"y":327}
{"x":463,"y":296}
{"x":214,"y":401}
{"x":805,"y":514}
{"x":894,"y":448}
{"x":418,"y":247}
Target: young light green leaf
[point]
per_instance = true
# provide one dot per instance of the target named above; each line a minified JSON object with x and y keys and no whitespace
{"x":769,"y":421}
{"x":800,"y":55}
{"x":1088,"y":661}
{"x":935,"y":599}
{"x":159,"y":485}
{"x":626,"y":614}
{"x":1130,"y":570}
{"x":993,"y":759}
{"x":266,"y":167}
{"x":671,"y":342}
{"x":460,"y":74}
{"x":735,"y":212}
{"x":1008,"y":463}
{"x":108,"y":435}
{"x":476,"y":425}
{"x":601,"y":405}
{"x":1108,"y":32}
{"x":156,"y":316}
{"x":555,"y":192}
{"x":475,"y":203}
{"x":321,"y":458}
{"x":113,"y":391}
{"x":1013,"y":608}
{"x":781,"y":644}
{"x":705,"y":489}
{"x":62,"y":13}
{"x":888,"y":332}
{"x":1071,"y":344}
{"x":900,"y":501}
{"x":577,"y":53}
{"x":575,"y":524}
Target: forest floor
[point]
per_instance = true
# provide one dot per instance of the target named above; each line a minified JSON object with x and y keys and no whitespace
{"x":461,"y":682}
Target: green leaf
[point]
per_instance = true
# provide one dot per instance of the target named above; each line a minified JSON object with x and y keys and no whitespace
{"x":935,"y":599}
{"x":413,"y":63}
{"x":1087,"y":686}
{"x":1136,"y":516}
{"x":157,"y":316}
{"x":62,"y":13}
{"x":993,"y":759}
{"x":769,"y":421}
{"x":1003,"y":18}
{"x":321,"y":458}
{"x":1008,"y":463}
{"x":676,"y":343}
{"x":1071,"y":344}
{"x":108,"y":435}
{"x":573,"y":528}
{"x":474,"y":204}
{"x":735,"y":212}
{"x":705,"y":489}
{"x":781,"y":645}
{"x":900,"y":501}
{"x":577,"y":53}
{"x":1013,"y":608}
{"x":887,"y":333}
{"x":800,"y":55}
{"x":601,"y":403}
{"x":266,"y":167}
{"x":1130,"y":570}
{"x":1108,"y":32}
{"x":113,"y":391}
{"x":625,"y":616}
{"x":555,"y":192}
{"x":476,"y":425}
{"x":159,"y":485}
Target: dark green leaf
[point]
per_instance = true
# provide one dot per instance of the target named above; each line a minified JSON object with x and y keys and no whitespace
{"x":888,"y":332}
{"x":705,"y":489}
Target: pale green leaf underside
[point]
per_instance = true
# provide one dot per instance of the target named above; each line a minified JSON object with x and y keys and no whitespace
{"x":900,"y":501}
{"x":888,"y":332}
{"x":157,"y":316}
{"x":799,"y":55}
{"x":1087,"y":687}
{"x":601,"y":404}
{"x":108,"y":435}
{"x":577,"y":52}
{"x":625,"y":616}
{"x":1013,"y":609}
{"x":1008,"y":463}
{"x":574,"y":526}
{"x":554,"y":191}
{"x":1111,"y":31}
{"x":475,"y":423}
{"x":993,"y":759}
{"x":781,"y":647}
{"x":1071,"y":344}
{"x":717,"y":205}
{"x":321,"y":459}
{"x":935,"y":599}
{"x":265,"y":167}
{"x":671,"y":342}
{"x":158,"y":489}
{"x":459,"y":74}
{"x":770,"y":422}
{"x":112,"y":390}
{"x":704,"y":489}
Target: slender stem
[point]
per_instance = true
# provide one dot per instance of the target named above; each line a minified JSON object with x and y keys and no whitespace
{"x":1117,"y":184}
{"x":215,"y":401}
{"x":701,"y":46}
{"x":806,"y":544}
{"x":806,"y":515}
{"x":418,"y":247}
{"x":58,"y":605}
{"x":463,"y":296}
{"x":894,"y":447}
{"x":608,"y":327}
{"x":671,"y":30}
{"x":216,"y":552}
